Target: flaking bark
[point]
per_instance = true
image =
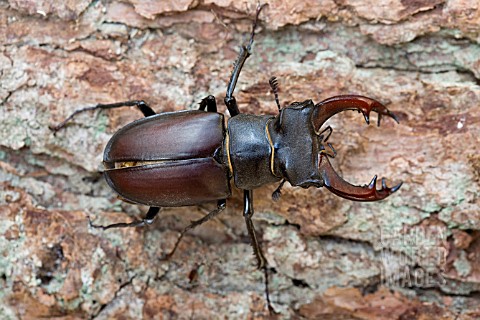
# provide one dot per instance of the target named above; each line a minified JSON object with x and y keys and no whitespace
{"x":415,"y":255}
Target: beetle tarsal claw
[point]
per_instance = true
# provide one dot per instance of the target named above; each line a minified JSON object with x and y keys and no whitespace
{"x":334,"y":183}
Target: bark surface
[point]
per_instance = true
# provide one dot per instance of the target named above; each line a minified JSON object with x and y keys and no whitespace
{"x":415,"y":255}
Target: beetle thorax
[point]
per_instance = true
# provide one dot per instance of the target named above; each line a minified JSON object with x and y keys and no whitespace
{"x":249,"y":151}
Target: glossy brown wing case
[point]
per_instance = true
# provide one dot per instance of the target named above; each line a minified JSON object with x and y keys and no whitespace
{"x":171,"y":160}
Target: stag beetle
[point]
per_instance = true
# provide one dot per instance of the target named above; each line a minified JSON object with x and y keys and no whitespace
{"x":189,"y":157}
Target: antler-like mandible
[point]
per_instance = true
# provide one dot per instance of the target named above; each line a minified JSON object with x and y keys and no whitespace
{"x":332,"y":181}
{"x":331,"y":106}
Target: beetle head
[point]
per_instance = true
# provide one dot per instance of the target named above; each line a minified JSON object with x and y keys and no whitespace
{"x":296,"y":145}
{"x":302,"y":151}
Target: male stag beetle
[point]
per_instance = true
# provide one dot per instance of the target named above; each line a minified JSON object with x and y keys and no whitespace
{"x":188,"y":158}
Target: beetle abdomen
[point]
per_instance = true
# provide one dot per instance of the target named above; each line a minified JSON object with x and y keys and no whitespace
{"x":169,"y":160}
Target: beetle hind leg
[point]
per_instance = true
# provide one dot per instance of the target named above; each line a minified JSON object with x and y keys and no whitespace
{"x":140,"y":104}
{"x":220,"y":207}
{"x":148,"y":220}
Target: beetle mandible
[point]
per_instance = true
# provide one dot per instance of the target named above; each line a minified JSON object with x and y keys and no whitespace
{"x":188,"y":158}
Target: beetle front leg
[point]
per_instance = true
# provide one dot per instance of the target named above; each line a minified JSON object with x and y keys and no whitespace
{"x":148,"y":220}
{"x":140,"y":104}
{"x":220,"y":207}
{"x":245,"y":52}
{"x":257,"y":250}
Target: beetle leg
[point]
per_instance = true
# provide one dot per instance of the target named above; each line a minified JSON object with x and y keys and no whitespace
{"x":248,"y":213}
{"x":257,"y":250}
{"x":210,"y":103}
{"x":334,"y":183}
{"x":331,"y":106}
{"x":220,"y":207}
{"x":140,"y":104}
{"x":148,"y":220}
{"x":245,"y":52}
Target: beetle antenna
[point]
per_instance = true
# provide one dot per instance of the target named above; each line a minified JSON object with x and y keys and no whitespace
{"x":334,"y":152}
{"x":331,"y":154}
{"x":278,"y":192}
{"x":320,"y":135}
{"x":274,"y":85}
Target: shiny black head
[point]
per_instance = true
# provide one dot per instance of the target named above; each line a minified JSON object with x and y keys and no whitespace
{"x":297,"y":145}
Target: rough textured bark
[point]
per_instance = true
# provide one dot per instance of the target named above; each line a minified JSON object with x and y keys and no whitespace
{"x":415,"y":255}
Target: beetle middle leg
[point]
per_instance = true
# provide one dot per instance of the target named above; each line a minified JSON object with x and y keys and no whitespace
{"x":220,"y":207}
{"x":140,"y":104}
{"x":148,"y":220}
{"x":210,"y":103}
{"x":257,"y":250}
{"x":245,"y":52}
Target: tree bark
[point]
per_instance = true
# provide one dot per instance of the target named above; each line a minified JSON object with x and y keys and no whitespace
{"x":415,"y":255}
